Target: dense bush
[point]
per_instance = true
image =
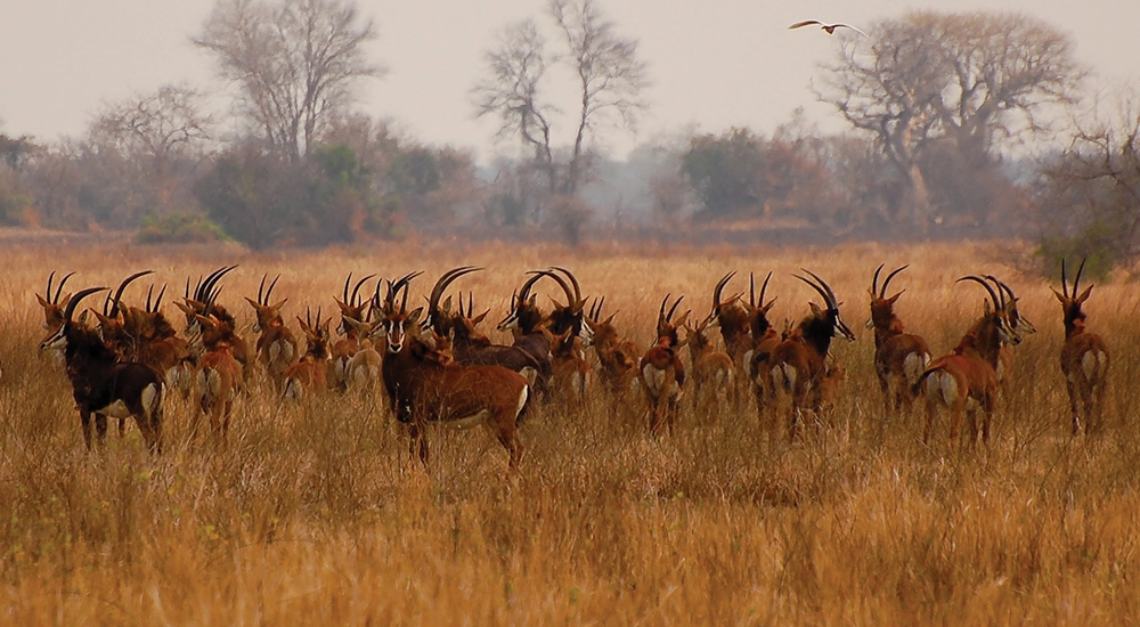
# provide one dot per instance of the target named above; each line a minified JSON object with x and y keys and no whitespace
{"x":178,"y":228}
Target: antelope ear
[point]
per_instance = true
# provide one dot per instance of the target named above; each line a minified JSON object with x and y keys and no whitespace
{"x":447,"y":304}
{"x":204,"y":320}
{"x":83,"y":316}
{"x":815,"y":308}
{"x":768,"y":307}
{"x":893,"y":299}
{"x":478,"y":319}
{"x":43,"y":303}
{"x":683,"y":319}
{"x":252,"y":303}
{"x":343,"y":307}
{"x":277,"y":307}
{"x":1085,"y":295}
{"x":415,"y":315}
{"x":1059,"y":296}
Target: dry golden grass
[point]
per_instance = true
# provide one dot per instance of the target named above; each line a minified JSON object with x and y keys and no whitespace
{"x":317,"y":514}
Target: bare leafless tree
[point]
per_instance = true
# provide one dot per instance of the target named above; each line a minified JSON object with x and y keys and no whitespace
{"x":928,"y":76}
{"x":609,"y":79}
{"x":155,"y":127}
{"x":294,"y":61}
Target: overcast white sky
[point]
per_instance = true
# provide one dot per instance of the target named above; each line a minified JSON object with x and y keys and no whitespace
{"x":714,"y":63}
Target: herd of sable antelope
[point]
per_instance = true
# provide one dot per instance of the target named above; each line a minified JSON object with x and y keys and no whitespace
{"x":435,"y":365}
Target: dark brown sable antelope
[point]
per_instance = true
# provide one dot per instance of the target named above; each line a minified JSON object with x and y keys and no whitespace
{"x":309,"y":375}
{"x":733,"y":320}
{"x":713,"y":370}
{"x":352,"y":317}
{"x":103,"y":386}
{"x":798,"y":365}
{"x":532,"y":329}
{"x":900,"y":357}
{"x":52,"y":305}
{"x":617,"y":357}
{"x":1019,"y":323}
{"x":660,"y":371}
{"x":1084,"y":356}
{"x":966,"y":380}
{"x":276,"y":346}
{"x":470,"y":346}
{"x":425,"y":386}
{"x":203,"y":302}
{"x":763,"y":338}
{"x":157,"y":345}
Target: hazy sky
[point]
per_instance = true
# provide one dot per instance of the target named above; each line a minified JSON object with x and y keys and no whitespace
{"x":714,"y":63}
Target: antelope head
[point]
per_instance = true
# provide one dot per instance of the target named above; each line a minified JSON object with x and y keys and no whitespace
{"x":524,"y":316}
{"x":571,"y":316}
{"x":827,"y":318}
{"x":58,"y":338}
{"x":53,"y":304}
{"x":758,"y":310}
{"x":397,"y":324}
{"x":603,"y":330}
{"x":1019,"y":323}
{"x":995,"y":320}
{"x":267,"y":315}
{"x":731,"y":316}
{"x":316,"y":334}
{"x":1072,"y":300}
{"x":883,"y":316}
{"x":202,"y":301}
{"x":667,"y":325}
{"x":350,"y":305}
{"x":112,"y":325}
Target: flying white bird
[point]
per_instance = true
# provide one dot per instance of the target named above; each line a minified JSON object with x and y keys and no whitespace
{"x":830,"y":28}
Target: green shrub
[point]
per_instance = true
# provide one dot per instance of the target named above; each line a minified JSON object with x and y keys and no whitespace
{"x":179,"y":228}
{"x":1096,"y":242}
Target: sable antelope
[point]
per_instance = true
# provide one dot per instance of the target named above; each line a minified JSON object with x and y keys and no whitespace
{"x":363,"y":370}
{"x":111,"y":323}
{"x":1084,"y":356}
{"x":157,"y":345}
{"x":617,"y":357}
{"x":426,"y":387}
{"x":309,"y":374}
{"x":276,"y":346}
{"x":900,"y":357}
{"x":343,"y":350}
{"x":798,"y":365}
{"x":763,"y":340}
{"x":713,"y":370}
{"x":966,"y":380}
{"x":733,"y":320}
{"x":470,"y":346}
{"x":203,"y":302}
{"x":660,"y":370}
{"x":1019,"y":323}
{"x":572,"y":334}
{"x":53,"y":309}
{"x":103,"y":386}
{"x":531,"y":329}
{"x":219,"y":376}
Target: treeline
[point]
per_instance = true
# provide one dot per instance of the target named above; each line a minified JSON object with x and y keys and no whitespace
{"x":936,"y":104}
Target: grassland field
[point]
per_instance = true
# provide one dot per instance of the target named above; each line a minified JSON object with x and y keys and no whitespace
{"x":317,"y":514}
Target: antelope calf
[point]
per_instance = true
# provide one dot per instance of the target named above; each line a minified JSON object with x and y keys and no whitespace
{"x":309,"y":375}
{"x":660,"y":371}
{"x":900,"y":357}
{"x":798,"y":365}
{"x":1084,"y":356}
{"x":101,"y":385}
{"x":276,"y":346}
{"x":713,"y":370}
{"x":965,"y":381}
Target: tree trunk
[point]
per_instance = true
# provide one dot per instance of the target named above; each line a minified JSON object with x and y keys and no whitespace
{"x":919,"y":199}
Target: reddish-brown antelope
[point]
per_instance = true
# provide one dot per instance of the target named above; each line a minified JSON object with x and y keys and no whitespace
{"x":965,"y":381}
{"x":101,"y":385}
{"x":203,"y":302}
{"x":1084,"y":356}
{"x":798,"y":365}
{"x":219,"y":376}
{"x":660,"y":371}
{"x":276,"y":346}
{"x":426,"y":387}
{"x":343,"y":350}
{"x":713,"y":370}
{"x":900,"y":357}
{"x":733,"y":320}
{"x":309,"y":375}
{"x":53,"y":305}
{"x":617,"y":357}
{"x":158,"y":346}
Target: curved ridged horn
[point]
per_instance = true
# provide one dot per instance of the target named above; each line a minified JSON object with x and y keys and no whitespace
{"x":269,"y":292}
{"x":832,"y":301}
{"x":441,"y":285}
{"x":571,"y":299}
{"x":400,"y":284}
{"x":261,"y":289}
{"x":344,"y":291}
{"x":982,"y":282}
{"x":158,"y":301}
{"x":1007,"y":295}
{"x":1077,"y":280}
{"x":206,"y":293}
{"x":673,"y":309}
{"x":356,"y":290}
{"x":875,"y":281}
{"x":573,"y":281}
{"x":524,"y":291}
{"x":1064,"y":280}
{"x":719,"y":289}
{"x":47,"y":293}
{"x":818,"y":289}
{"x":114,"y":303}
{"x":887,"y":282}
{"x":74,"y":301}
{"x":201,"y":288}
{"x":764,"y":288}
{"x":661,"y":309}
{"x":59,"y":288}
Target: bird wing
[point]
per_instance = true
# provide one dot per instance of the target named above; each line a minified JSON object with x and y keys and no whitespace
{"x":804,"y":23}
{"x":857,"y":30}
